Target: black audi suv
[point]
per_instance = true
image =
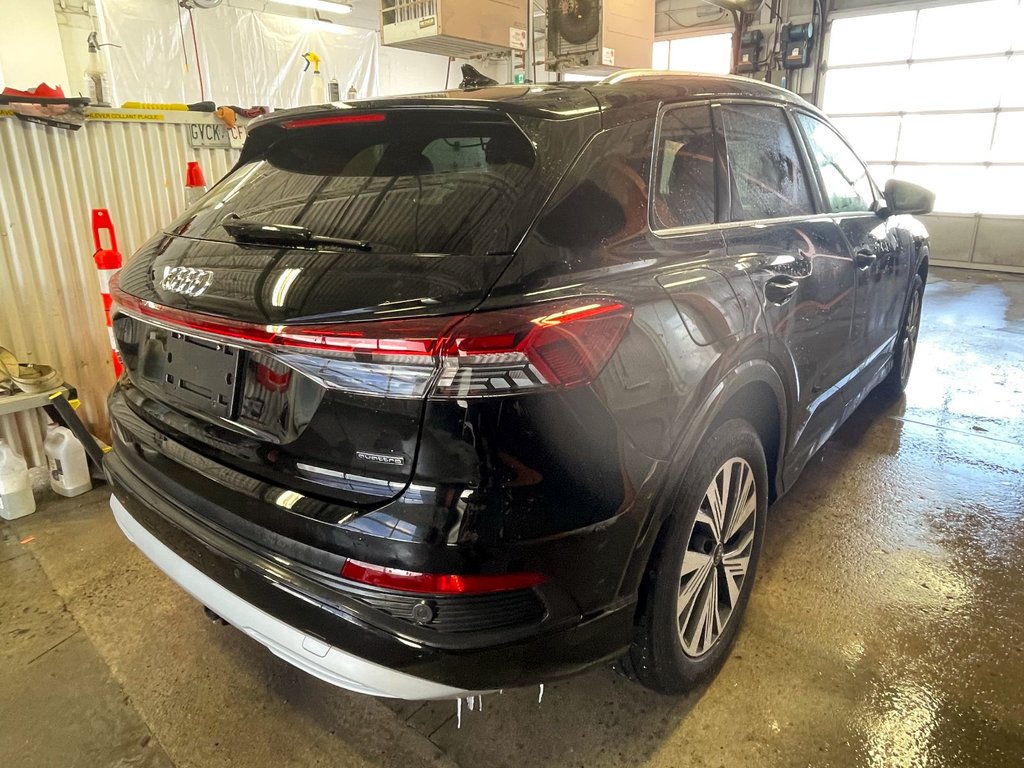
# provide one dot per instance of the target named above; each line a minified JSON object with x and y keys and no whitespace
{"x":468,"y":390}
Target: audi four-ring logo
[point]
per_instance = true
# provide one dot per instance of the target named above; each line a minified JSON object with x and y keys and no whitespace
{"x":187,"y":281}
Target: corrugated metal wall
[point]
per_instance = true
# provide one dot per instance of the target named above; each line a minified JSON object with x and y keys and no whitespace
{"x":50,"y":180}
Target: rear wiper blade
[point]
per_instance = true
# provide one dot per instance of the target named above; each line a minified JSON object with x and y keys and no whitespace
{"x":245,"y":230}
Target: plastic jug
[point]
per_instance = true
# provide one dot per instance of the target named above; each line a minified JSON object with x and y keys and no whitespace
{"x":16,"y":499}
{"x":69,"y":469}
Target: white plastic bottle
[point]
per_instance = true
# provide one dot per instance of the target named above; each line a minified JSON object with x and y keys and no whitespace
{"x":316,"y":80}
{"x":96,"y":75}
{"x":16,"y":499}
{"x":69,"y":469}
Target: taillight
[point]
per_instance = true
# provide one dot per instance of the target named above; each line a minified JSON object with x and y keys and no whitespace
{"x":553,"y":344}
{"x":561,"y":344}
{"x":395,"y":358}
{"x":436,"y":583}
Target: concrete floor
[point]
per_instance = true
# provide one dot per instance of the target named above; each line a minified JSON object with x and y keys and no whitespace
{"x":886,"y":628}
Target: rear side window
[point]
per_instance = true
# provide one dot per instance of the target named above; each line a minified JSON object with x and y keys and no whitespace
{"x":598,"y":213}
{"x":412,"y":181}
{"x":603,"y":200}
{"x":766,"y":172}
{"x":846,"y":180}
{"x":684,"y":193}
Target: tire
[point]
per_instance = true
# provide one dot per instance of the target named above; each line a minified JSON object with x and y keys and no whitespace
{"x":674,"y":649}
{"x":906,"y":343}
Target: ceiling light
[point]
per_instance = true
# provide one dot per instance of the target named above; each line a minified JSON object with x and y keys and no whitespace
{"x":324,"y":6}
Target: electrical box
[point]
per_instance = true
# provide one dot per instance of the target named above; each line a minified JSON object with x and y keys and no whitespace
{"x":797,"y":41}
{"x":599,"y":36}
{"x":458,"y":28}
{"x":750,"y":51}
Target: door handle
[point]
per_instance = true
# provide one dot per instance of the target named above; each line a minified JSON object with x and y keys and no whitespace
{"x":780,"y":289}
{"x":865,"y":259}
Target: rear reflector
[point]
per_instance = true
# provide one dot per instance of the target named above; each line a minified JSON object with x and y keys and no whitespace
{"x":314,"y":122}
{"x":553,"y":344}
{"x":436,"y":583}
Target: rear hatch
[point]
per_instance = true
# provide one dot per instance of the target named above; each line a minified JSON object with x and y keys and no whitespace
{"x":288,"y":324}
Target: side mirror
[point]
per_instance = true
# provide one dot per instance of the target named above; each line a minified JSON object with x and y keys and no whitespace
{"x":902,"y":197}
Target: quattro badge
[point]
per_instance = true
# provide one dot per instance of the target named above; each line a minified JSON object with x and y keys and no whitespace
{"x":381,"y":458}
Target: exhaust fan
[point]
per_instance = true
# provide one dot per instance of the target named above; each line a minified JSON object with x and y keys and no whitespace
{"x":599,"y":36}
{"x":578,"y":21}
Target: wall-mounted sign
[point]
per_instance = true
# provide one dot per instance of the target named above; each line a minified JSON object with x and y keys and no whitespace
{"x":517,"y":38}
{"x":214,"y":136}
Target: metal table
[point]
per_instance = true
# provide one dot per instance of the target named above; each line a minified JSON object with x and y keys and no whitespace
{"x":26,"y":401}
{"x":58,"y":405}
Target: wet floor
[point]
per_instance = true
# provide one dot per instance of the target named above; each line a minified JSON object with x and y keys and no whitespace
{"x":886,"y":628}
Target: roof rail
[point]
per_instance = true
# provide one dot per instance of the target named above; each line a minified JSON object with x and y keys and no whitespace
{"x":627,"y":75}
{"x":634,"y":74}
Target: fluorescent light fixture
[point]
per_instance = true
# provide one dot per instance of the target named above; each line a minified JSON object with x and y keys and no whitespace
{"x":325,"y":6}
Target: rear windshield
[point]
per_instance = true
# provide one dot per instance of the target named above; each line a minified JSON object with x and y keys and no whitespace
{"x":410,"y":181}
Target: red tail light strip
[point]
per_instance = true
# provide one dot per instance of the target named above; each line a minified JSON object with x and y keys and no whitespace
{"x":436,"y":583}
{"x":416,"y":338}
{"x":555,"y":344}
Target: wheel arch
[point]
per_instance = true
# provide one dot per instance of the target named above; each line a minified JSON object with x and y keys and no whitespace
{"x":752,"y":391}
{"x":756,"y":403}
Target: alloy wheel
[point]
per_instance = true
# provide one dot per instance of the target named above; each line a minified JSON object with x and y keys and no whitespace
{"x":717,"y":557}
{"x":910,"y":330}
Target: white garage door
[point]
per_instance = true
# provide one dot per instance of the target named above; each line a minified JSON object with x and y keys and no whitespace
{"x":936,"y":96}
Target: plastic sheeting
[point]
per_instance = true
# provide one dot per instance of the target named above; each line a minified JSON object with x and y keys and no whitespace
{"x":247,"y":57}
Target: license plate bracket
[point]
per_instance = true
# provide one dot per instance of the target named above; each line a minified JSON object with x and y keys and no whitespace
{"x":202,"y":374}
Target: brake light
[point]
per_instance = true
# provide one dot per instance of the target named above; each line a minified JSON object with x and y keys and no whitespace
{"x":314,"y":122}
{"x":562,"y":344}
{"x":553,"y":344}
{"x":436,"y":583}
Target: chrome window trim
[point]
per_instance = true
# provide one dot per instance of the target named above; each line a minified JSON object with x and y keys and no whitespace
{"x":726,"y":225}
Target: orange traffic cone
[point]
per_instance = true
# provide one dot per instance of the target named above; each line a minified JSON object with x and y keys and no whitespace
{"x":108,"y":262}
{"x":195,"y":182}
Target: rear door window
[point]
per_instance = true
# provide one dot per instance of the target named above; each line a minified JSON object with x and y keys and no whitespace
{"x":409,"y":181}
{"x":766,"y":173}
{"x":684,"y":193}
{"x":847,"y":184}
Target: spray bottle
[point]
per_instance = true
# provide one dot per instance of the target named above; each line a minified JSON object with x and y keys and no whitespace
{"x":316,"y":85}
{"x":96,"y":74}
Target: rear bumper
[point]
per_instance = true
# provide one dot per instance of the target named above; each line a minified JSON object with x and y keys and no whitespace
{"x":322,"y":631}
{"x":308,"y":653}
